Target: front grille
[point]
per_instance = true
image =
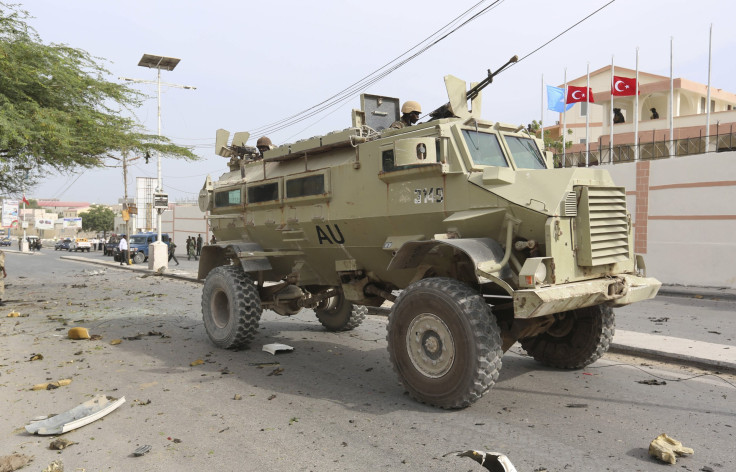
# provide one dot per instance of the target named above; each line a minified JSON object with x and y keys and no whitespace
{"x":602,"y":226}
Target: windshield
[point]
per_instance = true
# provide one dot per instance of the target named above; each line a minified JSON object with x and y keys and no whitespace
{"x":525,"y":153}
{"x":138,"y":239}
{"x":484,"y":148}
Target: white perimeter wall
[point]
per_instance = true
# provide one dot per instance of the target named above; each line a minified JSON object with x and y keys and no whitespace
{"x":182,"y":221}
{"x":691,"y":225}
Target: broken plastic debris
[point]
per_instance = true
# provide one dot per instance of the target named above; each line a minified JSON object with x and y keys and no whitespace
{"x":78,"y":416}
{"x":494,"y":461}
{"x":667,"y":449}
{"x":52,"y":385}
{"x":78,"y":333}
{"x":142,"y":450}
{"x":116,"y":341}
{"x":196,"y":363}
{"x":276,"y":347}
{"x":56,"y":466}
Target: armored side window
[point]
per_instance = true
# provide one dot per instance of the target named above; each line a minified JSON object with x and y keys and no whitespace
{"x":525,"y":152}
{"x":306,"y":186}
{"x":387,"y":159}
{"x":227,"y":198}
{"x":484,"y":148}
{"x":263,"y":193}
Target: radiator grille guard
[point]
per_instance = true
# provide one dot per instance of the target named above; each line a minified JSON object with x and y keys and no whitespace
{"x":602,"y":226}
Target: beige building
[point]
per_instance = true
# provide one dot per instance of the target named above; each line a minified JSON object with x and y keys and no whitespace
{"x":654,"y":92}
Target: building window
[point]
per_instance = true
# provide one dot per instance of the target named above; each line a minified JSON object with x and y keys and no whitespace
{"x":582,"y":140}
{"x":583,"y":108}
{"x":702,"y":104}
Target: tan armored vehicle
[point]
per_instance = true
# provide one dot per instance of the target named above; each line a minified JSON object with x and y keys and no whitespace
{"x":461,"y":222}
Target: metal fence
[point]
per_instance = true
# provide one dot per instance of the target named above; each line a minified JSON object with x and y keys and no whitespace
{"x":651,"y":150}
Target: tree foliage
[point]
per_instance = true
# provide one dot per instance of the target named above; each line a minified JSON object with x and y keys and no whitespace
{"x":98,"y":218}
{"x":58,"y":111}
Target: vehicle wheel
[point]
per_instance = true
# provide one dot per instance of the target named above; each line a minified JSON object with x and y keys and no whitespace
{"x":444,"y":343}
{"x":577,"y":339}
{"x":139,"y":258}
{"x":231,"y":307}
{"x":338,"y":314}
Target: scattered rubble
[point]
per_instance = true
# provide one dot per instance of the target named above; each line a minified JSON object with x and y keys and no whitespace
{"x":667,"y":449}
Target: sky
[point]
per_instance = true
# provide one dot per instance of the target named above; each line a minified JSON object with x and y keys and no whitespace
{"x":254,"y":63}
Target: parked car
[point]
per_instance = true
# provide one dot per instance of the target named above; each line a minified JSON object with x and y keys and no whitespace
{"x":111,"y":246}
{"x":5,"y":242}
{"x":138,"y":245}
{"x":62,"y":245}
{"x":80,"y":244}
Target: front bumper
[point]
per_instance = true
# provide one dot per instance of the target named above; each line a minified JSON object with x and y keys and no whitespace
{"x":619,"y":290}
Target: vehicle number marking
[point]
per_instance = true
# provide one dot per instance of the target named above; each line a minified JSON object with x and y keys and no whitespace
{"x":429,"y":195}
{"x":331,"y":238}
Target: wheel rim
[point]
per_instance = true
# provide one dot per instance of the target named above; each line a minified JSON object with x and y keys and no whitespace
{"x":430,"y":345}
{"x":562,"y":326}
{"x":220,"y":309}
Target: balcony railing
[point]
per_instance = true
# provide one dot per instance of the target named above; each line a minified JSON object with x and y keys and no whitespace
{"x":650,"y":150}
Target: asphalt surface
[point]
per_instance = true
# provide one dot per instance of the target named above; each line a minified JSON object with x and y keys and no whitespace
{"x":333,"y":403}
{"x":706,"y":349}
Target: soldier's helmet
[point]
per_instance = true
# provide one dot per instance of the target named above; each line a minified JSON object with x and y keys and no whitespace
{"x":411,"y":106}
{"x":263,"y":141}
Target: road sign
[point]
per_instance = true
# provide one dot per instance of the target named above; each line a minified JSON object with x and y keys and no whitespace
{"x":160,"y":201}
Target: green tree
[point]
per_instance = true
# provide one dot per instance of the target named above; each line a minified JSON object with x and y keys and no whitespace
{"x":98,"y":218}
{"x":58,"y":110}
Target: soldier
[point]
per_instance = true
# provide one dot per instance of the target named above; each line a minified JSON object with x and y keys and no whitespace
{"x":618,"y":117}
{"x":655,"y":115}
{"x":263,"y":144}
{"x":410,"y":115}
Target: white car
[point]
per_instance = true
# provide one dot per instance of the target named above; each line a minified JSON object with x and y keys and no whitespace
{"x":80,"y":244}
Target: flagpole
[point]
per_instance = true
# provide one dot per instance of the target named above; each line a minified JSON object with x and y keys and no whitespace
{"x":610,"y":139}
{"x":636,"y":109}
{"x":587,"y":116}
{"x":541,"y":115}
{"x":707,"y":100}
{"x":672,"y":105}
{"x":564,"y":121}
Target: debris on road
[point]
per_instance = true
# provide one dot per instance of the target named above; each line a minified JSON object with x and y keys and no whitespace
{"x":667,"y":449}
{"x":81,"y":415}
{"x":276,"y":371}
{"x":15,"y":314}
{"x":14,"y":462}
{"x":36,"y":357}
{"x":493,"y":461}
{"x":115,"y":342}
{"x":276,"y":347}
{"x":78,"y":333}
{"x":51,"y":385}
{"x":141,"y":450}
{"x":196,"y":363}
{"x":652,"y":382}
{"x":60,"y":443}
{"x":577,"y":405}
{"x":56,"y":466}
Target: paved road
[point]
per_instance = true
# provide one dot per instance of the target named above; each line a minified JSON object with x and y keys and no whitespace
{"x":335,"y":406}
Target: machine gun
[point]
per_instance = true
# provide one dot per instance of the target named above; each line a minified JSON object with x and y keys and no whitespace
{"x":446,"y":110}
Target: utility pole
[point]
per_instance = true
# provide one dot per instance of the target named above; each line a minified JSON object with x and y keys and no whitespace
{"x":158,"y":253}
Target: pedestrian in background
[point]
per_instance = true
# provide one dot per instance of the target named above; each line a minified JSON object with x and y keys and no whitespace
{"x":2,"y":279}
{"x":199,"y":244}
{"x":172,"y":248}
{"x":123,"y":248}
{"x":213,"y":240}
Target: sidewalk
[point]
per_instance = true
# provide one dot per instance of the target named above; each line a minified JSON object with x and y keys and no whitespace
{"x":707,"y":355}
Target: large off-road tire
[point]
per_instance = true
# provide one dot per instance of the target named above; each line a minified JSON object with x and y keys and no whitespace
{"x":139,"y":258}
{"x":575,"y":340}
{"x":338,"y":314}
{"x":231,"y":307}
{"x":444,"y":343}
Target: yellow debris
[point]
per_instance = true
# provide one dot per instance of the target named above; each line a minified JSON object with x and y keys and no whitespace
{"x":13,"y":314}
{"x":78,"y":333}
{"x":52,"y":385}
{"x":667,"y":449}
{"x":115,"y":342}
{"x":197,"y":362}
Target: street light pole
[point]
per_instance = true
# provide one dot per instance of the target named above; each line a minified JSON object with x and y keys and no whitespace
{"x":158,"y":252}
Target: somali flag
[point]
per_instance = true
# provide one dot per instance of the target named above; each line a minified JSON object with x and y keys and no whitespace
{"x":556,"y":99}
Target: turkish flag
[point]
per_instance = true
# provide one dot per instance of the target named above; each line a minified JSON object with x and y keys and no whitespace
{"x":579,"y":94}
{"x":623,"y":86}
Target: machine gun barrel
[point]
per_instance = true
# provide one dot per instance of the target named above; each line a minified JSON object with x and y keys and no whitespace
{"x":445,"y":112}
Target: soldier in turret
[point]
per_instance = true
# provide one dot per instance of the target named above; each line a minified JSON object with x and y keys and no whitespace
{"x":410,"y":112}
{"x":263,"y":144}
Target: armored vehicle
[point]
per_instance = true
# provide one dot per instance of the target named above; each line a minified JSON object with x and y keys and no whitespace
{"x":462,"y":224}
